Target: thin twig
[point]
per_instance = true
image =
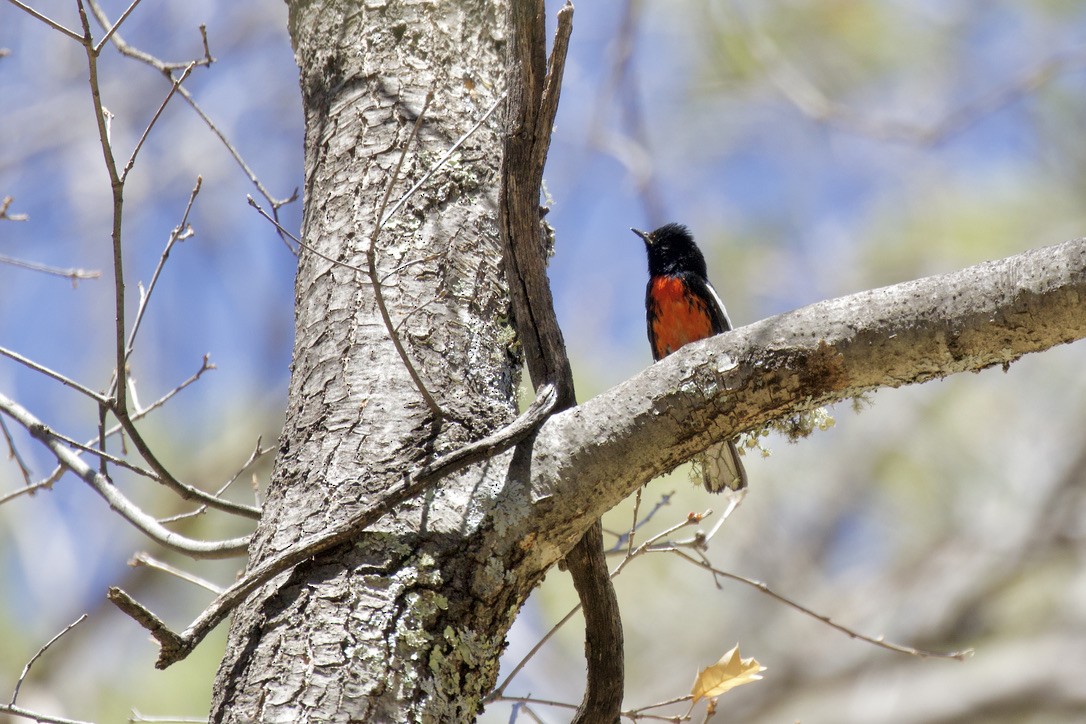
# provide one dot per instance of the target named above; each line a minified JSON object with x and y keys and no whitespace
{"x":154,"y":119}
{"x":35,"y":657}
{"x":48,"y":21}
{"x":28,"y":490}
{"x":313,"y":250}
{"x":120,"y":386}
{"x":632,"y":714}
{"x":102,"y":412}
{"x":876,"y":640}
{"x":116,"y":460}
{"x":625,"y":538}
{"x":144,"y":559}
{"x":371,"y":260}
{"x":104,"y":433}
{"x":55,"y":474}
{"x":69,"y":382}
{"x":533,"y":700}
{"x":257,"y":453}
{"x":138,"y":717}
{"x":179,"y":233}
{"x":38,"y":716}
{"x":499,"y":690}
{"x":441,"y":161}
{"x":13,"y":454}
{"x":395,"y":207}
{"x":634,"y":524}
{"x":669,"y":702}
{"x":72,"y":274}
{"x":205,"y":366}
{"x":109,"y":33}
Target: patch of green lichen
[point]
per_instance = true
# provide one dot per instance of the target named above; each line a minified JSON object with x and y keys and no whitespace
{"x":793,"y":427}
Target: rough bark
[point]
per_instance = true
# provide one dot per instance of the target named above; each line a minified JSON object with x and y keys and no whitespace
{"x":406,"y":623}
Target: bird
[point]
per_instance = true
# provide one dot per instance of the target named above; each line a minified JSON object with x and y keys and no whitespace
{"x":681,"y":306}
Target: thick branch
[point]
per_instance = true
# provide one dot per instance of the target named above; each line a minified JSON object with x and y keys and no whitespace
{"x":535,"y":86}
{"x":533,"y":101}
{"x":589,"y":458}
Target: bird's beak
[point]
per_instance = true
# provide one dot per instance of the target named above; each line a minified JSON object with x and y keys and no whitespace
{"x":644,"y":235}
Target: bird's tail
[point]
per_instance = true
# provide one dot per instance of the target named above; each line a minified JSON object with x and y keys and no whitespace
{"x":721,"y":468}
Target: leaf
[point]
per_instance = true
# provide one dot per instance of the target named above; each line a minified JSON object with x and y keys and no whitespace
{"x":731,"y":671}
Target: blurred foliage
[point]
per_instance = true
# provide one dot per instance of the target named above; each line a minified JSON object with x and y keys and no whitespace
{"x":946,"y":516}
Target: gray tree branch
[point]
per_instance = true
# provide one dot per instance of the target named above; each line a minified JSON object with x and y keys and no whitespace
{"x":588,"y":459}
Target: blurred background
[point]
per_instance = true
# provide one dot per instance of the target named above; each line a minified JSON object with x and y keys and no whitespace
{"x":815,"y":148}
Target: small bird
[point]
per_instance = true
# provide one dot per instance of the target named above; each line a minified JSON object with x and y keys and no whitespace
{"x":682,"y":307}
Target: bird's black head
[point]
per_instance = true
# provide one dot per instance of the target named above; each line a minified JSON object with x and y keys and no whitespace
{"x":672,"y":251}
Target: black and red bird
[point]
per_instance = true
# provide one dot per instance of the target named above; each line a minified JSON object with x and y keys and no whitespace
{"x":682,"y":307}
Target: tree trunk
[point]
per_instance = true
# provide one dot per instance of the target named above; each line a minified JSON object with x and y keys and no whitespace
{"x":407,"y":623}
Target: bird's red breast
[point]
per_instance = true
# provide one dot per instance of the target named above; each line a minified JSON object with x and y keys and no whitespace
{"x":677,"y":315}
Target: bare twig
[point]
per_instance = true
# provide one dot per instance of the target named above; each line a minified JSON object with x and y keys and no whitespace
{"x":257,"y":453}
{"x":38,"y":716}
{"x":72,"y":274}
{"x":109,"y":33}
{"x":119,"y":405}
{"x":168,"y":69}
{"x":154,"y":119}
{"x":631,"y":714}
{"x":499,"y":690}
{"x":38,"y":655}
{"x":441,"y":161}
{"x":625,"y":540}
{"x":163,"y":476}
{"x":13,"y":454}
{"x":434,"y":168}
{"x":144,"y":559}
{"x":48,"y":21}
{"x":116,"y":460}
{"x":180,"y":232}
{"x":657,"y":705}
{"x":138,"y":717}
{"x":371,"y":261}
{"x":533,"y":700}
{"x":174,"y":647}
{"x":127,"y":509}
{"x":283,"y":233}
{"x":876,"y":640}
{"x":634,"y":524}
{"x":29,"y":489}
{"x":69,"y":382}
{"x":205,"y":366}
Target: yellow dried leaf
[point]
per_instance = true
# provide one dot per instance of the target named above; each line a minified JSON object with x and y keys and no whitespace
{"x":731,"y":671}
